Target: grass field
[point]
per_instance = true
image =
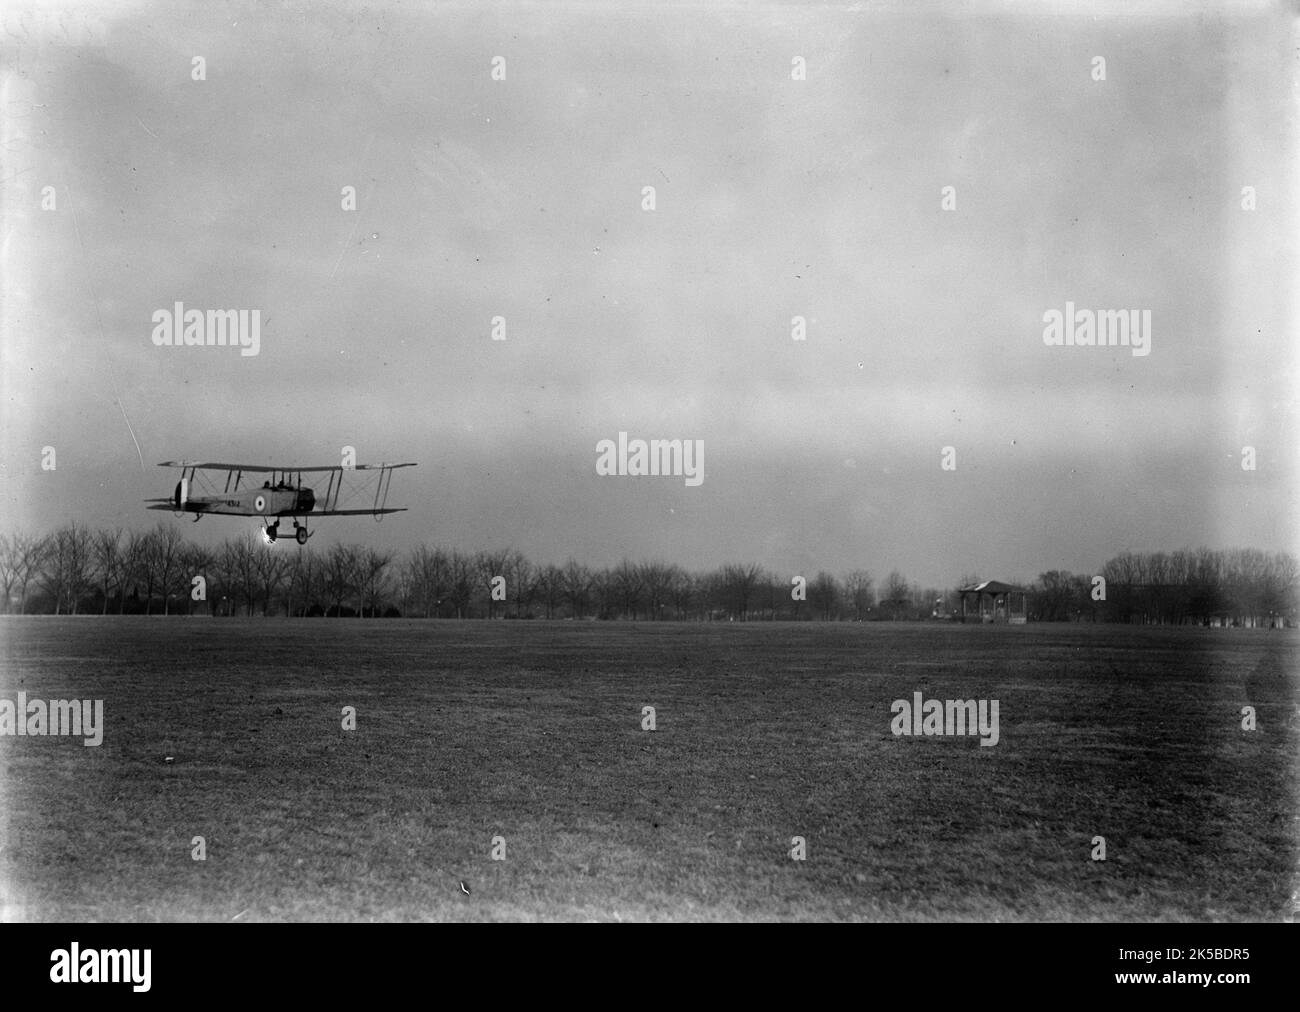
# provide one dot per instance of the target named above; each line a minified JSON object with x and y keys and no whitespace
{"x":532,"y":732}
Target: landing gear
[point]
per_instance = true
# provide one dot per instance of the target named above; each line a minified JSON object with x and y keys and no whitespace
{"x":271,"y":532}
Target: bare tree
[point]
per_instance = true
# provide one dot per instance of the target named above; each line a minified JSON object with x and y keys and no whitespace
{"x":338,"y":575}
{"x":1206,"y":578}
{"x":521,"y":579}
{"x":657,"y":582}
{"x":404,"y":584}
{"x":461,"y":582}
{"x":603,"y":593}
{"x":238,"y":566}
{"x":1284,"y":584}
{"x":683,"y":591}
{"x":627,"y":583}
{"x":21,"y":558}
{"x":738,"y":584}
{"x":490,"y":565}
{"x":372,"y":579}
{"x":824,"y":595}
{"x":106,"y":555}
{"x":167,"y":544}
{"x":1052,"y":596}
{"x":196,"y":561}
{"x":137,"y":567}
{"x":549,"y":584}
{"x":710,"y":594}
{"x":8,"y":569}
{"x":897,"y":594}
{"x":577,"y":587}
{"x":303,"y":580}
{"x":66,"y":572}
{"x":429,"y":576}
{"x":858,"y":592}
{"x":271,"y":568}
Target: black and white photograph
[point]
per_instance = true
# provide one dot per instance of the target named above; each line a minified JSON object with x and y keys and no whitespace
{"x":649,"y":463}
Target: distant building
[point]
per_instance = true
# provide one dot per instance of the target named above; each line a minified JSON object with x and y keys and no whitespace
{"x":993,"y":601}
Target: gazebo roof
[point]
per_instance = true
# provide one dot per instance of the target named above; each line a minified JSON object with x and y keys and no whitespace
{"x":989,"y":587}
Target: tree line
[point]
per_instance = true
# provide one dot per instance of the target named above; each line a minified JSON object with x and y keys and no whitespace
{"x":77,"y":570}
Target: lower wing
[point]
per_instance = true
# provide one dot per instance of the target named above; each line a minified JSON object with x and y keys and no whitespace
{"x":347,"y":513}
{"x":190,"y":508}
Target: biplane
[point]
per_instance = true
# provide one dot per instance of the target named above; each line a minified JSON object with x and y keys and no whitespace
{"x":280,"y":494}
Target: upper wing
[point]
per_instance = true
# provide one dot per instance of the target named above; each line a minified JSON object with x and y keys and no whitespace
{"x":219,"y":511}
{"x":259,"y":468}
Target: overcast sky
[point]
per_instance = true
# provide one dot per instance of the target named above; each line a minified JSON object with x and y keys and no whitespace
{"x":774,"y":198}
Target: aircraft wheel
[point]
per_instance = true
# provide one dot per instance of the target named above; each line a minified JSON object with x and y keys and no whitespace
{"x":302,"y":535}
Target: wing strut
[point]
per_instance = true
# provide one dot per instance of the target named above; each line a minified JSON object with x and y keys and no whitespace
{"x":381,"y":489}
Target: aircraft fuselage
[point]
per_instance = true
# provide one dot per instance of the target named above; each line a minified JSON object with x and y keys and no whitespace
{"x":266,"y":501}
